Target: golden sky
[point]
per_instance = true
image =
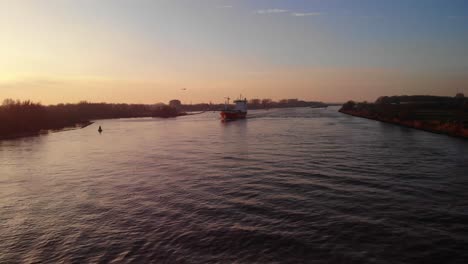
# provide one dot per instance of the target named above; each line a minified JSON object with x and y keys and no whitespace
{"x":56,"y":51}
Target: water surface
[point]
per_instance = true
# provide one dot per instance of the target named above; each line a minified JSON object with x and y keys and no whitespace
{"x":285,"y":186}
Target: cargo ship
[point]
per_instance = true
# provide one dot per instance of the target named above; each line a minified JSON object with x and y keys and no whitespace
{"x":238,"y":112}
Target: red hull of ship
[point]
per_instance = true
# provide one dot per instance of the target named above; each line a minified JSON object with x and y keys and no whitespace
{"x":225,"y":115}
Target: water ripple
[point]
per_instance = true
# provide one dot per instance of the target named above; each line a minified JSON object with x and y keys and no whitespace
{"x":285,"y":186}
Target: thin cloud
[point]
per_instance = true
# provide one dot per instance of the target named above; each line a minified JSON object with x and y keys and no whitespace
{"x":226,"y":6}
{"x":306,"y":14}
{"x":271,"y":11}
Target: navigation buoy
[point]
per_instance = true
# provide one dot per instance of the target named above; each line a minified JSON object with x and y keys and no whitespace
{"x":100,"y":129}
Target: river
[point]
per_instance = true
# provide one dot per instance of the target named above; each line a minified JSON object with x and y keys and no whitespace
{"x":297,"y":185}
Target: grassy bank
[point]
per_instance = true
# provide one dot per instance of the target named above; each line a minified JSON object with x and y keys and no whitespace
{"x":26,"y":118}
{"x":445,"y":115}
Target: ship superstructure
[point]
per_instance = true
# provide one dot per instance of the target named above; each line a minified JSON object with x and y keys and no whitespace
{"x":238,"y":112}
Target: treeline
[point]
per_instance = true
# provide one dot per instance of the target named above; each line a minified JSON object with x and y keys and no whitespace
{"x":283,"y":103}
{"x":19,"y":118}
{"x":459,"y":102}
{"x":256,"y":104}
{"x":418,"y":107}
{"x":447,"y":115}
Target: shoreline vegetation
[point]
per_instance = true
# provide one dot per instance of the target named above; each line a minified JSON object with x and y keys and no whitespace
{"x":436,"y":114}
{"x":253,"y":104}
{"x":27,"y":118}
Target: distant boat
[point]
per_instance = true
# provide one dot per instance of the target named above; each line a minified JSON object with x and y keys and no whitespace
{"x":100,"y":129}
{"x":239,"y":111}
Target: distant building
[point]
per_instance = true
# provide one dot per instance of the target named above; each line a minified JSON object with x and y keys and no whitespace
{"x":460,"y":95}
{"x":175,"y":103}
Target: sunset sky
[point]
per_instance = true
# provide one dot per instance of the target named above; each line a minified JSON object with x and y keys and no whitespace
{"x":139,"y":51}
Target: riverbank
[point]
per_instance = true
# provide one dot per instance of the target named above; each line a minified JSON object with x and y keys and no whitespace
{"x":80,"y":125}
{"x":45,"y":131}
{"x":449,"y":117}
{"x":26,"y":118}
